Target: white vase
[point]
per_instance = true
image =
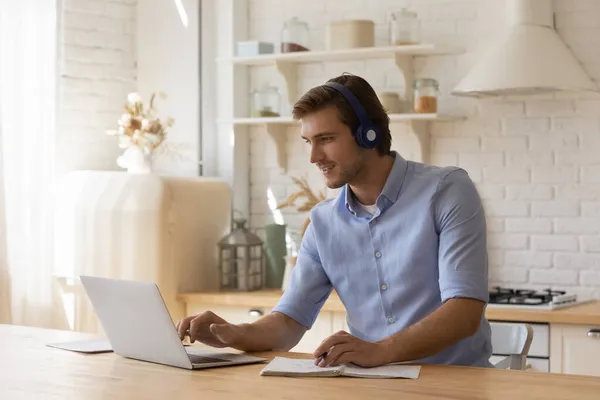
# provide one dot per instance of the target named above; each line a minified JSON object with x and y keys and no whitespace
{"x":135,"y":160}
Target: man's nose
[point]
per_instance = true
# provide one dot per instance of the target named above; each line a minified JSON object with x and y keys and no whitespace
{"x":315,"y":154}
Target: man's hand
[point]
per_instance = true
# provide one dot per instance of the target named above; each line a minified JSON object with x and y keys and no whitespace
{"x":343,"y":348}
{"x":274,"y":331}
{"x":210,"y":329}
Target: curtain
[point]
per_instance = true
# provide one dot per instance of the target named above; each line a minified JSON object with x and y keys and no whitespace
{"x":28,"y":103}
{"x":5,"y":292}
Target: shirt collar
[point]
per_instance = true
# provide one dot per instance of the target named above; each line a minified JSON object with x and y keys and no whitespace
{"x":391,"y":189}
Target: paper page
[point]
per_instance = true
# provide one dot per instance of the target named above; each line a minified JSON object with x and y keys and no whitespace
{"x":384,"y":371}
{"x":282,"y":366}
{"x":84,"y":346}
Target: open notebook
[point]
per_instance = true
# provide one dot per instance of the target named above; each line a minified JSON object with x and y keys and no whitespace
{"x":281,"y":366}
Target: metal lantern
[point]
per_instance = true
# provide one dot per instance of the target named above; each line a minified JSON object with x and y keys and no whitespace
{"x":241,"y":259}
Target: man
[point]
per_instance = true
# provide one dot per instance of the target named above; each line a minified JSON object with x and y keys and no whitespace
{"x":403,"y":244}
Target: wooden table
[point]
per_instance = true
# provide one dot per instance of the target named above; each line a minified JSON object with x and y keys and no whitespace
{"x":31,"y":370}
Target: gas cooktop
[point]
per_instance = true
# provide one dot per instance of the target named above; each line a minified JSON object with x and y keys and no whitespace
{"x":539,"y":299}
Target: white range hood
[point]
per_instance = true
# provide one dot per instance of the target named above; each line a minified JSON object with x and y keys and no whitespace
{"x":530,"y":59}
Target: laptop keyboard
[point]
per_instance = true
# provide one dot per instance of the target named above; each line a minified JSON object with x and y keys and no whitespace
{"x":196,"y":359}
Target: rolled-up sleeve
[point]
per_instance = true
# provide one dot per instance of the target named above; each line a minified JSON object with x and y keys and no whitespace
{"x":460,"y":222}
{"x":309,"y":285}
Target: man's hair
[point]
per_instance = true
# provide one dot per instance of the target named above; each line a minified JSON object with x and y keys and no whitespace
{"x":321,"y":97}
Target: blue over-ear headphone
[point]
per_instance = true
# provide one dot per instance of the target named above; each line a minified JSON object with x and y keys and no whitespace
{"x":366,"y":134}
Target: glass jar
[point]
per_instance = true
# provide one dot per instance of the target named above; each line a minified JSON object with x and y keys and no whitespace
{"x":404,"y":28}
{"x":266,"y":101}
{"x":391,"y":102}
{"x":426,"y":92}
{"x":294,"y":36}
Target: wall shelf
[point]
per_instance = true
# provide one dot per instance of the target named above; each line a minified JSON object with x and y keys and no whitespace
{"x":252,"y":121}
{"x":345,"y":54}
{"x":276,"y":127}
{"x":286,"y":63}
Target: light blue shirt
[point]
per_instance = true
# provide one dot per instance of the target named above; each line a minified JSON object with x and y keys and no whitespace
{"x":425,"y":244}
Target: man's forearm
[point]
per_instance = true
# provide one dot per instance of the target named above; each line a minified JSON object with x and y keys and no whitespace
{"x":454,"y":320}
{"x":273,"y":332}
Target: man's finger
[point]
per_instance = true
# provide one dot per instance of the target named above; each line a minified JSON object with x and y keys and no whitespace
{"x":335,"y":339}
{"x":334,"y":353}
{"x":198,"y":328}
{"x":183,"y":326}
{"x":348,"y":357}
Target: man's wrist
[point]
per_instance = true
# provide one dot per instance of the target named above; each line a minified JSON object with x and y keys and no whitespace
{"x":246,"y":334}
{"x":388,"y":350}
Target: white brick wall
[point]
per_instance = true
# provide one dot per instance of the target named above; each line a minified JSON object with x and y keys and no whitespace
{"x":528,"y":259}
{"x":97,"y":70}
{"x":533,"y":158}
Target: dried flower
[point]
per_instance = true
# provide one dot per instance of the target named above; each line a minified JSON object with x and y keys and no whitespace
{"x":140,"y":126}
{"x":311,"y":200}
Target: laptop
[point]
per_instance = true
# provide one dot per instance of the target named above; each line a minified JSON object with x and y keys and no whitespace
{"x":138,"y":326}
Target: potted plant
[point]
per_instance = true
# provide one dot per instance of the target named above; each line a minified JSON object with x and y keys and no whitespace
{"x":140,"y":133}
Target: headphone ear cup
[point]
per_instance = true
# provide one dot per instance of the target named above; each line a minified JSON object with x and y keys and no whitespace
{"x":367,"y":138}
{"x":358,"y":135}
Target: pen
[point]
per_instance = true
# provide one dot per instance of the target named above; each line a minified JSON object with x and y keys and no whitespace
{"x":321,"y":358}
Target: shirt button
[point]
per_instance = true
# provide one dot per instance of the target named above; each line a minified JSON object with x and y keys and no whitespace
{"x":378,"y":254}
{"x":384,"y":287}
{"x":391,"y":320}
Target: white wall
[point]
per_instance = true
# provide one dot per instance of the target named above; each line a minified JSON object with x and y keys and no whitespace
{"x":168,"y":55}
{"x":535,"y":160}
{"x":109,"y":48}
{"x":97,"y":69}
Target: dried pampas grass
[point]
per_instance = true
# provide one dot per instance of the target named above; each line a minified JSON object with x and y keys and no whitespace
{"x":305,"y":191}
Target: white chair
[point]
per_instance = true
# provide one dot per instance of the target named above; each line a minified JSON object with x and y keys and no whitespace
{"x":513,"y":341}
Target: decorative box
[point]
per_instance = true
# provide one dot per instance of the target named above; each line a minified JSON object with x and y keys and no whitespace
{"x":254,"y":48}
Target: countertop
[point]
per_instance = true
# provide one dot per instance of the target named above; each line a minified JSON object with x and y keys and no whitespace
{"x":583,"y":314}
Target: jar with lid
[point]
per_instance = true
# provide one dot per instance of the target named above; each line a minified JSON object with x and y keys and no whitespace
{"x":266,"y":101}
{"x":403,"y":27}
{"x":426,"y":92}
{"x":294,"y":36}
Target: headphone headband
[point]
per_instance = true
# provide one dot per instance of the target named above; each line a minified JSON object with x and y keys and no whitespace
{"x":354,"y":103}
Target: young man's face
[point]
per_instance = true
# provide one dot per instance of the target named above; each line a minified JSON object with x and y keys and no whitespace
{"x":333,"y":147}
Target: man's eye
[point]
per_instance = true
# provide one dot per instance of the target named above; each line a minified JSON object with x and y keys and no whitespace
{"x":326,"y":139}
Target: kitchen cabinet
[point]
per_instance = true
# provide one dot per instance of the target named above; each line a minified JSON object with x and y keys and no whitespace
{"x":537,"y":365}
{"x":575,"y":349}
